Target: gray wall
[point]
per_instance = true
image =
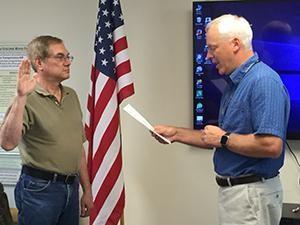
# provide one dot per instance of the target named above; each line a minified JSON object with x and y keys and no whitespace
{"x":165,"y":185}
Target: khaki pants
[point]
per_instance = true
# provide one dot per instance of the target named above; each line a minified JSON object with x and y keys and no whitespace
{"x":258,"y":203}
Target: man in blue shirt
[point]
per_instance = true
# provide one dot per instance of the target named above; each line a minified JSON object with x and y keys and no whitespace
{"x":253,"y":118}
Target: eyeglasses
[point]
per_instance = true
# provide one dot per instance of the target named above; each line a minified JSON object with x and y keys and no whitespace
{"x":62,"y":58}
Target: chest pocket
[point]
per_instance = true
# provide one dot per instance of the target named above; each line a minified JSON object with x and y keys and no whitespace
{"x":237,"y":118}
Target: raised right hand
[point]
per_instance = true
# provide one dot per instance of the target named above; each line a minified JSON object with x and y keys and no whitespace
{"x":25,"y":84}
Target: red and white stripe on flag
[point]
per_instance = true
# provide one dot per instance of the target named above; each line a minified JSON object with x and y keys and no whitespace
{"x":111,"y":83}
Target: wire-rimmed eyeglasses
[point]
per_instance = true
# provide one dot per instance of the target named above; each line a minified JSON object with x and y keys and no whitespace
{"x":62,"y":58}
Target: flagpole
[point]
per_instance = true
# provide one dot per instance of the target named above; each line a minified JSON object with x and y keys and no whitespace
{"x":122,"y":219}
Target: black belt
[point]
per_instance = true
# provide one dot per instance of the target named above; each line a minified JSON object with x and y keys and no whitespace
{"x":47,"y":175}
{"x":231,"y":181}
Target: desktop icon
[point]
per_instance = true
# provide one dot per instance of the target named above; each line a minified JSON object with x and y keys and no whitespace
{"x":199,"y":93}
{"x":199,"y":120}
{"x":199,"y":107}
{"x":199,"y":83}
{"x":199,"y":70}
{"x":199,"y":58}
{"x":199,"y":33}
{"x":198,"y":20}
{"x":207,"y":20}
{"x":199,"y":9}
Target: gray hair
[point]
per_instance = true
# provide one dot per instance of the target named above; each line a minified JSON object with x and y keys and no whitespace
{"x":230,"y":26}
{"x":39,"y":48}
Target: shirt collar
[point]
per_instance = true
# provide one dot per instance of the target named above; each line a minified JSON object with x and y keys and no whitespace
{"x":40,"y":90}
{"x":237,"y":75}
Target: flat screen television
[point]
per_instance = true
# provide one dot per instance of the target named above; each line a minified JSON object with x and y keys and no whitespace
{"x":276,"y":39}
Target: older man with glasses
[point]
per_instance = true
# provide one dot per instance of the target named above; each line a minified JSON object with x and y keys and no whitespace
{"x":45,"y":122}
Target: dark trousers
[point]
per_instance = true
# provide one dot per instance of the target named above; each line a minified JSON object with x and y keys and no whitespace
{"x":5,"y":216}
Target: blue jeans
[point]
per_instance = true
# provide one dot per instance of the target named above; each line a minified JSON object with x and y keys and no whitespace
{"x":43,"y":202}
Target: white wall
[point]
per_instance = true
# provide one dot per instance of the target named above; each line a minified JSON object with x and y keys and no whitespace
{"x":165,"y":185}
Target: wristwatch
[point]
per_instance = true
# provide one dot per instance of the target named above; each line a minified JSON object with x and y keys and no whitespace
{"x":224,"y":139}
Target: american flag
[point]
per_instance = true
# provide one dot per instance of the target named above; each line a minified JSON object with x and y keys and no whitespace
{"x":111,"y":83}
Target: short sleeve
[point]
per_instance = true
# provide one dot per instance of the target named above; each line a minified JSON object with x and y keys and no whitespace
{"x":269,"y":107}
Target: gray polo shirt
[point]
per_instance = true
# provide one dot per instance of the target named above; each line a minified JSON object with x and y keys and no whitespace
{"x":52,"y":132}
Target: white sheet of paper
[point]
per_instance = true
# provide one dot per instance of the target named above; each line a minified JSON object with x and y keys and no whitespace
{"x":137,"y":116}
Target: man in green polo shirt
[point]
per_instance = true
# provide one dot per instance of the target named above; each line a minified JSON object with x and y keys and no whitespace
{"x":45,"y":122}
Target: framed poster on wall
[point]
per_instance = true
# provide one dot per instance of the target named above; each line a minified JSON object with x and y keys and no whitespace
{"x":11,"y":54}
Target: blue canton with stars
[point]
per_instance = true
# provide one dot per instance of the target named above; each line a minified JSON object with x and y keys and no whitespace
{"x":109,"y":18}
